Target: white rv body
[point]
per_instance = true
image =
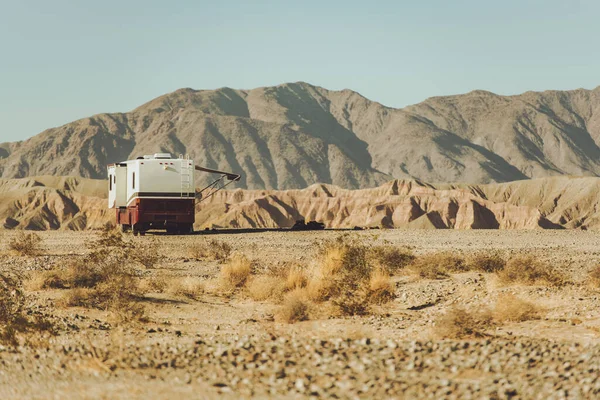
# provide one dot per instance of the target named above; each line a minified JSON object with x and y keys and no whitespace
{"x":157,"y":176}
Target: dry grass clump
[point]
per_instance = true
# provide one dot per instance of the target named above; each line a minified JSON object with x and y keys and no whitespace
{"x":15,"y":319}
{"x":157,"y":284}
{"x":381,"y":288}
{"x":276,"y":281}
{"x":26,"y":244}
{"x":295,"y":307}
{"x":53,"y":279}
{"x":486,"y":263}
{"x":458,"y":323}
{"x":296,"y":278}
{"x":187,"y":286}
{"x":510,"y":308}
{"x":391,"y":258}
{"x":105,"y":279}
{"x":265,"y":287}
{"x":528,"y":270}
{"x":594,"y":276}
{"x":214,"y":250}
{"x":438,"y":265}
{"x":236,"y":271}
{"x":347,"y":277}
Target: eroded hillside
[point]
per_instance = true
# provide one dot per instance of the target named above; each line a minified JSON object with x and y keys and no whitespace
{"x":43,"y":203}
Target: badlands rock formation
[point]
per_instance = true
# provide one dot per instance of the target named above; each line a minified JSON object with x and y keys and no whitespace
{"x":295,"y":135}
{"x":561,"y":202}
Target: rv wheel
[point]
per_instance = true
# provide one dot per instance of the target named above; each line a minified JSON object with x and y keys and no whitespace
{"x":125,"y":228}
{"x":186,"y":229}
{"x":136,"y":230}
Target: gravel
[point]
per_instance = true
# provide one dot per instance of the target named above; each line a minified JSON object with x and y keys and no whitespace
{"x":339,"y":368}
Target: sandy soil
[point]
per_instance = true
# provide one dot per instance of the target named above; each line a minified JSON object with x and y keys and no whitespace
{"x":215,"y":346}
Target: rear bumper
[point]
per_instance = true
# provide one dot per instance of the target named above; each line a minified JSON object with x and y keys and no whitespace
{"x":157,"y":213}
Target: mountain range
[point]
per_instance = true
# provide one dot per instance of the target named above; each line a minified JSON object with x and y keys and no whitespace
{"x":294,"y":135}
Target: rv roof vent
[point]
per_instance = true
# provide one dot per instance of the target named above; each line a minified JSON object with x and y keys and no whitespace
{"x":160,"y":156}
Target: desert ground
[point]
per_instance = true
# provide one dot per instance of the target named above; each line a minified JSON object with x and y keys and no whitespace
{"x":429,"y":314}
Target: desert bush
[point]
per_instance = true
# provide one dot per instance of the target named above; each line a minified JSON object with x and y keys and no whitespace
{"x":26,"y":244}
{"x":438,"y":265}
{"x":391,"y":258}
{"x":347,"y":277}
{"x":458,"y":323}
{"x":53,"y":279}
{"x":296,"y":278}
{"x":111,"y":245}
{"x":15,"y":319}
{"x":381,"y":288}
{"x":146,"y":254}
{"x":265,"y":287}
{"x":116,"y":288}
{"x":236,"y":271}
{"x":214,"y":250}
{"x":342,"y":266}
{"x":105,"y":278}
{"x":119,"y":295}
{"x":594,"y":277}
{"x":12,"y":297}
{"x":186,"y":286}
{"x":156,"y":284}
{"x":295,"y":307}
{"x":528,"y":270}
{"x":512,"y":309}
{"x":486,"y":263}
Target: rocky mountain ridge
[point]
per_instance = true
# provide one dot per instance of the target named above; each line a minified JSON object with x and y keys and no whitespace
{"x":294,"y":135}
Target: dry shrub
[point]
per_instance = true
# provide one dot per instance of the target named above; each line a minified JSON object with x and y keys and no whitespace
{"x":104,"y":279}
{"x":391,"y":258}
{"x":510,"y":308}
{"x":53,"y":279}
{"x":26,"y":244}
{"x":112,"y":291}
{"x":157,"y":284}
{"x":146,"y":254}
{"x":528,"y":270}
{"x":214,"y":250}
{"x":236,"y":271}
{"x":381,"y":288}
{"x":346,"y":279}
{"x":187,"y":286}
{"x":346,"y":276}
{"x":594,"y":276}
{"x":487,"y":263}
{"x":295,"y":307}
{"x":15,"y":318}
{"x":458,"y":323}
{"x":296,"y":278}
{"x":438,"y":265}
{"x":265,"y":287}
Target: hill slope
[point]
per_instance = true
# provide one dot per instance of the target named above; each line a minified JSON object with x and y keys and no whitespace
{"x":294,"y":135}
{"x":561,"y":202}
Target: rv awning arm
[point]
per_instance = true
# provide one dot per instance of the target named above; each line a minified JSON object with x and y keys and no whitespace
{"x":218,"y":184}
{"x":230,"y":176}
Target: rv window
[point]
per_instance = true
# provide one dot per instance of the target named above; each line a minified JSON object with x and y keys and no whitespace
{"x":110,"y":182}
{"x":133,"y":181}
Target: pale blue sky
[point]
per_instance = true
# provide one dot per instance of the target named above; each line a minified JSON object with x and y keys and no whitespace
{"x":62,"y":60}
